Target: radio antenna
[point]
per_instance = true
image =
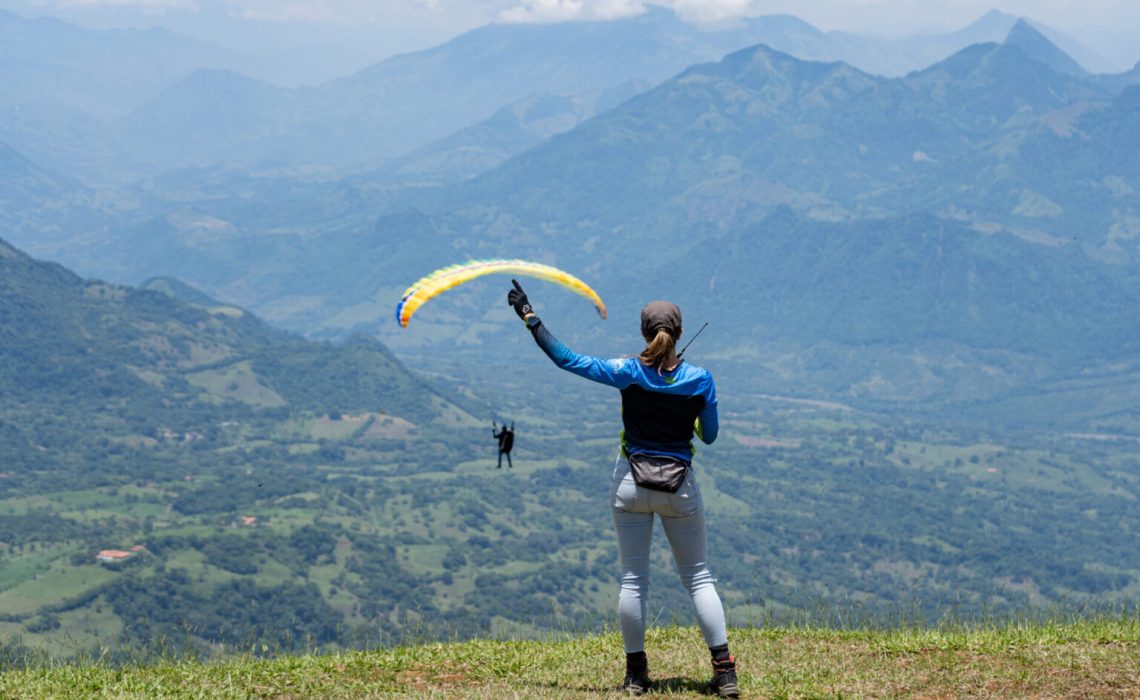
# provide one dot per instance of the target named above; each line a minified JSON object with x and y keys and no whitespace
{"x":682,"y":353}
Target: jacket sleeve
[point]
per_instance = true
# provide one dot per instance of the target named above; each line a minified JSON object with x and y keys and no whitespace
{"x":613,"y":373}
{"x":708,"y":425}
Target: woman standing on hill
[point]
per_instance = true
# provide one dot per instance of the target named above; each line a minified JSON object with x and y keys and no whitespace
{"x":664,"y":402}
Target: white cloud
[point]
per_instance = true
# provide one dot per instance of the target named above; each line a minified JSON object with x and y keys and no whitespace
{"x":539,"y":11}
{"x":284,"y":11}
{"x":905,"y":16}
{"x":696,"y":11}
{"x":1110,"y":26}
{"x":149,"y":6}
{"x":393,"y":12}
{"x":908,"y":16}
{"x":336,"y":11}
{"x":714,"y":11}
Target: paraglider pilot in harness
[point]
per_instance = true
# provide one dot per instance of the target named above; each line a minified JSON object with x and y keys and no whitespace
{"x":506,"y":438}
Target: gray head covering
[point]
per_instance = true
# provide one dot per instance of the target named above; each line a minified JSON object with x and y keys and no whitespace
{"x":658,"y":315}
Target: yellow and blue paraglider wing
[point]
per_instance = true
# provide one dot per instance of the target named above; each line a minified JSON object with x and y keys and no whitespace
{"x":446,"y":278}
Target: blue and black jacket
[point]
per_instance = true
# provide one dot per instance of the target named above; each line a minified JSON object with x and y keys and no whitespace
{"x":660,"y":411}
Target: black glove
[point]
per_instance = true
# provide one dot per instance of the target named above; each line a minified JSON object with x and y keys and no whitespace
{"x":517,"y":298}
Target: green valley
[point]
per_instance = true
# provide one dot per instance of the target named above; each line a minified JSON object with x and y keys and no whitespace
{"x":238,"y":488}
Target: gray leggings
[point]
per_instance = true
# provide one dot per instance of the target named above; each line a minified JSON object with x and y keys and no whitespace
{"x":683,"y":518}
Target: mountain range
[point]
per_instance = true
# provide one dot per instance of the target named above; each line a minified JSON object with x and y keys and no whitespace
{"x":101,"y":73}
{"x":381,"y":111}
{"x":112,"y":104}
{"x":840,"y":142}
{"x":1009,"y":150}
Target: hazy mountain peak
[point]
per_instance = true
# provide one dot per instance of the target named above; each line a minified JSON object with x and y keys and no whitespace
{"x":993,"y":19}
{"x":206,"y":89}
{"x":657,"y":13}
{"x":1005,"y":62}
{"x":6,"y":250}
{"x":764,"y":59}
{"x":789,"y":23}
{"x":1026,"y":37}
{"x":1001,"y":82}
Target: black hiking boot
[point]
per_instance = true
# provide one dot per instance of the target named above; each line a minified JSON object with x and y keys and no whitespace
{"x":637,"y":674}
{"x":637,"y":683}
{"x":723,"y":683}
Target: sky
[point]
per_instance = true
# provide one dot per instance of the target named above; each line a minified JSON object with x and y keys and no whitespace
{"x":450,"y":14}
{"x":380,"y":28}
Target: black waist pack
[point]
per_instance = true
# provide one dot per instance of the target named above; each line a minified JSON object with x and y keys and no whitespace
{"x":658,"y":472}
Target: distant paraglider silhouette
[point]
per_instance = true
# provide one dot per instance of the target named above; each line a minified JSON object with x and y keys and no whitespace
{"x":506,"y":438}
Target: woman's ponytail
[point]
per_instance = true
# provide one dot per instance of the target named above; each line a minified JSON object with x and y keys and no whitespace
{"x":660,"y":326}
{"x":661,"y":352}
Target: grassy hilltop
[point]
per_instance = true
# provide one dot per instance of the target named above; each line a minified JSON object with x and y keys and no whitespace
{"x":1091,"y":658}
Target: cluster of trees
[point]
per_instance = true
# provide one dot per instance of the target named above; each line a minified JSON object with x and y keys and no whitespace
{"x":885,"y":531}
{"x":169,"y":609}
